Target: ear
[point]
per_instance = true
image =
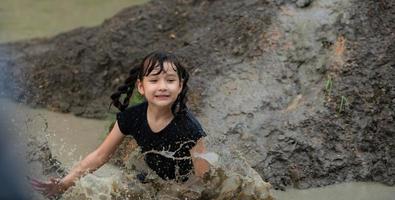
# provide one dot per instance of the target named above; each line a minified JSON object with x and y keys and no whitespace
{"x":140,"y":87}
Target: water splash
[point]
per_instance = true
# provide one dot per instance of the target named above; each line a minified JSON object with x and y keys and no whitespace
{"x":229,"y":177}
{"x":171,"y":154}
{"x":222,"y":182}
{"x":211,"y":157}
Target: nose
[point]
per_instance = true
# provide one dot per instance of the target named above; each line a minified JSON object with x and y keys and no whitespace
{"x":162,"y":85}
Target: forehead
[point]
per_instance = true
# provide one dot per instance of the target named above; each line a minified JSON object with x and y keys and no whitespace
{"x":168,"y":68}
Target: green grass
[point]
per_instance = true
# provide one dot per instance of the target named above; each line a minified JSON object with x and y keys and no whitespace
{"x":343,"y":104}
{"x":329,"y":85}
{"x":340,"y":107}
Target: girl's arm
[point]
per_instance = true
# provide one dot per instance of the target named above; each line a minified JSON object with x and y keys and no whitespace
{"x":89,"y":164}
{"x":200,"y":165}
{"x":95,"y":159}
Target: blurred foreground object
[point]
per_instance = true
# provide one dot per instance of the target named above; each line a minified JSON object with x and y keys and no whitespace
{"x":11,"y":176}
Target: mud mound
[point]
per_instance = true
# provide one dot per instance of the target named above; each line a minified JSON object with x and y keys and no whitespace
{"x":78,"y":70}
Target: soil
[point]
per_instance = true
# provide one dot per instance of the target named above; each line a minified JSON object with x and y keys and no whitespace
{"x":303,"y":89}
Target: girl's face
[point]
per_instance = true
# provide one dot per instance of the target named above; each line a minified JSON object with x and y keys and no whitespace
{"x":161,"y":89}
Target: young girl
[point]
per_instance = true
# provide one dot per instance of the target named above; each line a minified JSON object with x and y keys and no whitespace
{"x":163,"y":127}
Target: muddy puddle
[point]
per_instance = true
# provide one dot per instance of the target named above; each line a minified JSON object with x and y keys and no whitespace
{"x":70,"y":138}
{"x":342,"y":191}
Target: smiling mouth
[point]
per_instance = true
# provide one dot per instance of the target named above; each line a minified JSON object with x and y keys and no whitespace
{"x":162,"y":96}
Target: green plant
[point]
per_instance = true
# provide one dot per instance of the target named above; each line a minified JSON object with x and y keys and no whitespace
{"x":136,"y":98}
{"x":343,"y":103}
{"x":328,"y":85}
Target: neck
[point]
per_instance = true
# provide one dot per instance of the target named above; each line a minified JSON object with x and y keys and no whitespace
{"x":159,"y":113}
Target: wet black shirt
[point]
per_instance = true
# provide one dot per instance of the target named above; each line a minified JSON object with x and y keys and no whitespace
{"x":173,"y":142}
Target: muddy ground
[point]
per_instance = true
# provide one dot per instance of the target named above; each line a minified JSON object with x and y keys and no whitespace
{"x":304,"y":89}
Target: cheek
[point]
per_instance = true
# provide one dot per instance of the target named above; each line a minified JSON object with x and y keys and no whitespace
{"x":180,"y":88}
{"x":177,"y":87}
{"x":179,"y":91}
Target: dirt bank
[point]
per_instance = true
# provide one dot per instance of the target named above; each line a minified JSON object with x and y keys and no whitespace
{"x":303,"y":89}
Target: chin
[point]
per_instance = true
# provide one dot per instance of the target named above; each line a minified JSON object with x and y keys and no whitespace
{"x":163,"y":103}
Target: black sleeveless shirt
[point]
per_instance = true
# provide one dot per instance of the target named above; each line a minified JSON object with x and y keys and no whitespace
{"x":166,"y":152}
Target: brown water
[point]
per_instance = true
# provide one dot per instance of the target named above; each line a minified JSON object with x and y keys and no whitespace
{"x":342,"y":191}
{"x":21,"y":19}
{"x":69,"y":137}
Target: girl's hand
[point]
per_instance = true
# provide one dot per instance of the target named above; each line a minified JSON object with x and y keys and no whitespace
{"x":51,"y":188}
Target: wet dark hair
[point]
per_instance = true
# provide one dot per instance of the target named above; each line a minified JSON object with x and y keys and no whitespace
{"x":153,"y":61}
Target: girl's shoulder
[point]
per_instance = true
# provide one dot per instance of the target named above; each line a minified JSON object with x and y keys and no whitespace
{"x":133,"y":112}
{"x":190,"y":117}
{"x":129,"y":119}
{"x":191,"y":124}
{"x":139,"y":108}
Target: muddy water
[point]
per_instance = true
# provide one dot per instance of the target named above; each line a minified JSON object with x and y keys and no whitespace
{"x":343,"y":191}
{"x":21,"y":19}
{"x":69,"y":137}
